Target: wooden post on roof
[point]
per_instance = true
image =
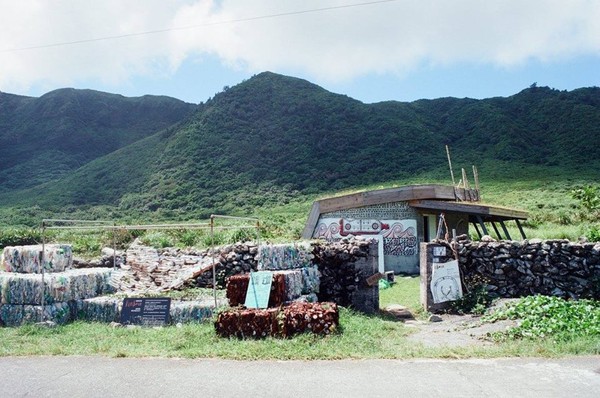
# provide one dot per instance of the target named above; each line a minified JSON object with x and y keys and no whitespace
{"x":450,"y":165}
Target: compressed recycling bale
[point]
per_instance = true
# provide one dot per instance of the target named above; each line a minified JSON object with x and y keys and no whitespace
{"x":311,"y":279}
{"x":191,"y":311}
{"x":292,"y":284}
{"x":318,"y":318}
{"x":284,"y":256}
{"x":18,"y":314}
{"x":237,"y":285}
{"x":242,"y":323}
{"x":26,"y":259}
{"x":20,"y":288}
{"x":97,"y":309}
{"x":75,"y":284}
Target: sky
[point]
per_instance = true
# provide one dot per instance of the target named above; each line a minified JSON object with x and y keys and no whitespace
{"x":373,"y":51}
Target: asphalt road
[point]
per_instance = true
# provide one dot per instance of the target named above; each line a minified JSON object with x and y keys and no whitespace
{"x":152,"y":377}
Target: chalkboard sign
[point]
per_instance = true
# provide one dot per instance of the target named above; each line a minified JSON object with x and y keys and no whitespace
{"x":146,"y":311}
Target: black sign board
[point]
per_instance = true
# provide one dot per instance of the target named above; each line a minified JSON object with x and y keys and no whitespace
{"x":146,"y":311}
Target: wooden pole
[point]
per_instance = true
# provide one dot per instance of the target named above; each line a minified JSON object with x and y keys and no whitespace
{"x":450,"y":164}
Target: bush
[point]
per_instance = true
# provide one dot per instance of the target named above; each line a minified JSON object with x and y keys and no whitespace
{"x":476,"y":298}
{"x":20,"y":237}
{"x":546,"y":316}
{"x":593,"y":234}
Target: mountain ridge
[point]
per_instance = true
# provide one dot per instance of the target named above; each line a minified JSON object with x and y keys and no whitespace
{"x":272,"y":139}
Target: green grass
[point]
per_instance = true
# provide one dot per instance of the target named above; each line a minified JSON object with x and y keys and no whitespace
{"x":360,"y":337}
{"x":404,"y":292}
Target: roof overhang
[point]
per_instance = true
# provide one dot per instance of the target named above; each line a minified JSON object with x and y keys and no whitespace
{"x":476,"y":209}
{"x":443,"y":198}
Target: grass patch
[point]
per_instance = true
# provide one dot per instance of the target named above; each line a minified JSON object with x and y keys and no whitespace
{"x":406,"y":292}
{"x":360,"y":337}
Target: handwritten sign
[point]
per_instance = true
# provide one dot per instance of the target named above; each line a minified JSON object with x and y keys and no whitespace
{"x":146,"y":311}
{"x":259,"y":289}
{"x":445,"y":282}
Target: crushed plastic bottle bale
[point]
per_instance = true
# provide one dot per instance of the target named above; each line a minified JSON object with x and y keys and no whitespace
{"x":28,"y":259}
{"x":73,"y":284}
{"x":19,"y":314}
{"x":97,"y":309}
{"x":191,"y":311}
{"x":284,"y":256}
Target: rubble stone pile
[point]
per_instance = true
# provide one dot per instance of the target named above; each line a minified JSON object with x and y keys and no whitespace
{"x":148,"y":270}
{"x":549,"y":267}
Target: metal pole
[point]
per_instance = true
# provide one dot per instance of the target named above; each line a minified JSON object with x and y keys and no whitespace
{"x":212,"y":250}
{"x":114,"y":246}
{"x":42,"y":255}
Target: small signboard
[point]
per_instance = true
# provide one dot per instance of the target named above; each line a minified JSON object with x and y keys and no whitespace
{"x":374,"y":279}
{"x":146,"y":311}
{"x":445,"y":282}
{"x":259,"y":289}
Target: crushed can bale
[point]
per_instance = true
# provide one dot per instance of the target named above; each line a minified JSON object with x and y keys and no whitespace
{"x":317,"y":318}
{"x":287,"y":286}
{"x":237,"y":285}
{"x":28,"y":259}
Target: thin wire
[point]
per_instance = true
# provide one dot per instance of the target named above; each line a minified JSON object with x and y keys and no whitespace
{"x":231,"y":21}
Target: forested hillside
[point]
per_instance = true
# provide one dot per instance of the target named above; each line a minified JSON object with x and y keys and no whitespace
{"x":274,"y":139}
{"x":43,"y":139}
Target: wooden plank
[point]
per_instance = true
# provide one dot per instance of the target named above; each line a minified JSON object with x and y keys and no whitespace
{"x":505,"y":230}
{"x":470,"y":208}
{"x":388,"y":195}
{"x":496,"y":230}
{"x":313,"y":219}
{"x":480,"y":221}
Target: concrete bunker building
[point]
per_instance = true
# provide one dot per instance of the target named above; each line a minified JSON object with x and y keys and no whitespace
{"x":401,"y":218}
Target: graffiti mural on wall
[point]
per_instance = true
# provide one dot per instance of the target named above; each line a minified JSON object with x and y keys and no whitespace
{"x":399,"y":236}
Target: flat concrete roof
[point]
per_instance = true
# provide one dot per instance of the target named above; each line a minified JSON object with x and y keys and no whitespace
{"x":431,"y":197}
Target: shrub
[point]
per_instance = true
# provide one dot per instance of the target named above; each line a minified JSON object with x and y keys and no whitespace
{"x":20,"y":237}
{"x":546,"y":316}
{"x":476,"y":298}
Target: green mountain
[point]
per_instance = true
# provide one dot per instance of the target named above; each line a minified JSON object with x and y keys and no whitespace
{"x":272,"y":139}
{"x":42,"y":139}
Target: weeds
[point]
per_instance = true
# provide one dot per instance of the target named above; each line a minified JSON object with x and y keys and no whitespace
{"x":549,"y":317}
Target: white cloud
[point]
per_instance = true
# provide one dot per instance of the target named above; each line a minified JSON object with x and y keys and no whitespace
{"x":333,"y":45}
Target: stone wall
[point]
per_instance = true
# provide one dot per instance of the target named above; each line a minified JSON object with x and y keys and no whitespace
{"x":515,"y":269}
{"x":344,"y":267}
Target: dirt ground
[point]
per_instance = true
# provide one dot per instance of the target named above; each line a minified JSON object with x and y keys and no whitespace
{"x":456,"y":330}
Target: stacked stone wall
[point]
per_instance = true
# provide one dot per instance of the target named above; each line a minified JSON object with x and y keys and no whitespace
{"x":515,"y":269}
